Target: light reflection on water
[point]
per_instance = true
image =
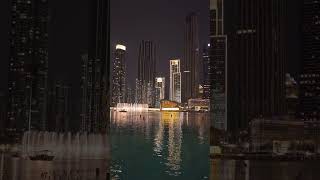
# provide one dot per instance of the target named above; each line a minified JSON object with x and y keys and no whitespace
{"x":160,"y":145}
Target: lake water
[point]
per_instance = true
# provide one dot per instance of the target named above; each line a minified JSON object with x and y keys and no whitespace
{"x":264,"y":170}
{"x":160,"y":145}
{"x":23,"y":169}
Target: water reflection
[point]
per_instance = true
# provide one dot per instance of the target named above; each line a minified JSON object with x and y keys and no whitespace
{"x":166,"y":145}
{"x":170,"y":123}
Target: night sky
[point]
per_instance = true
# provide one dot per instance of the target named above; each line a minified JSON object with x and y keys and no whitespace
{"x":131,"y":21}
{"x":159,"y":20}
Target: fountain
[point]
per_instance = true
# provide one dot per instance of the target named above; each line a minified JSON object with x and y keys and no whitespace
{"x":132,"y":107}
{"x":66,"y":146}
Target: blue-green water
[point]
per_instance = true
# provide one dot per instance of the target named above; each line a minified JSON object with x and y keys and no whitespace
{"x":160,"y":145}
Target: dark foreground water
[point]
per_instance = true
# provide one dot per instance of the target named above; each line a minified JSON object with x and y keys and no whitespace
{"x":264,"y":170}
{"x":160,"y":146}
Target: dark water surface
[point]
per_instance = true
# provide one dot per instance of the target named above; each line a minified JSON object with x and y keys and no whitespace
{"x":264,"y":170}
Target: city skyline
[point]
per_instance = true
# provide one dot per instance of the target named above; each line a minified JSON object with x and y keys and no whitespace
{"x":119,"y":89}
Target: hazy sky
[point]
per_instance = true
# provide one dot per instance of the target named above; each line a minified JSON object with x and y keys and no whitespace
{"x":159,"y":20}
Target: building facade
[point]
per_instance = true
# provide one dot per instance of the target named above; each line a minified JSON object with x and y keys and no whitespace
{"x":28,"y":66}
{"x":207,"y":72}
{"x":218,"y":63}
{"x":309,"y":106}
{"x":59,"y":107}
{"x":175,"y":81}
{"x":160,"y":90}
{"x":191,"y":59}
{"x":96,"y":70}
{"x":257,"y":54}
{"x":146,"y":73}
{"x":119,"y":84}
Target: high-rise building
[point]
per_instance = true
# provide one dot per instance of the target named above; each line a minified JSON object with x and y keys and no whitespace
{"x":175,"y":80}
{"x":59,"y":107}
{"x":96,"y":70}
{"x":207,"y":72}
{"x":119,"y":84}
{"x":147,"y":72}
{"x":309,"y":107}
{"x":191,"y":59}
{"x":138,"y":92}
{"x":160,"y":90}
{"x":28,"y":65}
{"x":130,"y":95}
{"x":256,"y":61}
{"x":218,"y":63}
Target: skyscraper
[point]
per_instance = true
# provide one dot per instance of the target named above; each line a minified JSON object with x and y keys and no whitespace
{"x":59,"y":107}
{"x":28,"y":65}
{"x":160,"y":90}
{"x":147,"y":72}
{"x":310,"y":76}
{"x":207,"y":72}
{"x":130,"y":95}
{"x":218,"y":63}
{"x":256,"y":61}
{"x":138,"y":92}
{"x":96,"y":70}
{"x":119,"y":86}
{"x":175,"y":80}
{"x":191,"y":59}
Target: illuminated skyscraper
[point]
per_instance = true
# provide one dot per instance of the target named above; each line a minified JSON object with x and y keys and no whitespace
{"x":175,"y":81}
{"x":119,"y":76}
{"x":147,"y":72}
{"x":310,"y":75}
{"x":217,"y":66}
{"x":96,"y":70}
{"x":191,"y":59}
{"x":207,"y":72}
{"x":28,"y":65}
{"x":160,"y":90}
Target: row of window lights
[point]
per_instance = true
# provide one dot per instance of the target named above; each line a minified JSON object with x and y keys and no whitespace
{"x":246,"y":31}
{"x":308,"y":82}
{"x":310,"y":119}
{"x":313,"y":113}
{"x":310,"y":75}
{"x":309,"y":94}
